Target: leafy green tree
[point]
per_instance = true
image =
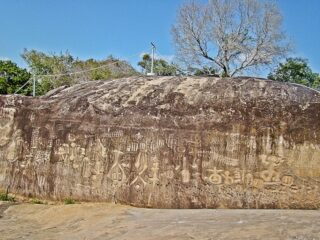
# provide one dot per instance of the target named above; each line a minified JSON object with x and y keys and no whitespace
{"x":55,"y":70}
{"x":296,"y":70}
{"x":12,"y":78}
{"x":161,"y":66}
{"x":98,"y":73}
{"x":205,"y":71}
{"x":316,"y":83}
{"x":42,"y":64}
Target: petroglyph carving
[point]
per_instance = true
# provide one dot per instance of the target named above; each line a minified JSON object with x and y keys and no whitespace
{"x":14,"y":147}
{"x":71,"y":154}
{"x":141,"y":165}
{"x":287,"y":181}
{"x":63,"y":152}
{"x":233,"y":142}
{"x":86,"y":167}
{"x":75,"y":151}
{"x":155,"y":145}
{"x":133,"y":147}
{"x":196,"y":174}
{"x":168,"y":168}
{"x":185,"y":173}
{"x":71,"y":137}
{"x":237,"y":176}
{"x":270,"y":175}
{"x":202,"y":153}
{"x":116,"y":172}
{"x":32,"y":117}
{"x":249,"y":179}
{"x":7,"y":114}
{"x":155,"y":178}
{"x":113,"y":134}
{"x":281,"y":144}
{"x":100,"y":148}
{"x":219,"y":159}
{"x":42,"y":157}
{"x":138,"y":136}
{"x":215,"y":177}
{"x":171,"y":141}
{"x":267,"y":142}
{"x":213,"y":145}
{"x":98,"y":170}
{"x":251,"y":157}
{"x":35,"y":138}
{"x":155,"y":171}
{"x":258,"y":183}
{"x":6,"y":124}
{"x":227,"y":178}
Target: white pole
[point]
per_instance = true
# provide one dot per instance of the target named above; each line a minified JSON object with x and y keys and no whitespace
{"x":34,"y":86}
{"x":152,"y":60}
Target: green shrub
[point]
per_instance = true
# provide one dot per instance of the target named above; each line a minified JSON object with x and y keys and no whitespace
{"x":6,"y":197}
{"x":36,"y":201}
{"x":69,"y":201}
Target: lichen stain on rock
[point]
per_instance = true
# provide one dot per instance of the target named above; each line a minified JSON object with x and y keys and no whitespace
{"x":166,"y":142}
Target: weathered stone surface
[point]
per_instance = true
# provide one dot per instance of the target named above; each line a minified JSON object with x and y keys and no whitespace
{"x":166,"y":142}
{"x":105,"y":221}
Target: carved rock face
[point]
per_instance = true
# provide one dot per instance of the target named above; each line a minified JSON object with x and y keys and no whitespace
{"x":6,"y":125}
{"x":166,"y":142}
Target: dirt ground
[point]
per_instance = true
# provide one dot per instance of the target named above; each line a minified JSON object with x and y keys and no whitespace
{"x":108,"y":221}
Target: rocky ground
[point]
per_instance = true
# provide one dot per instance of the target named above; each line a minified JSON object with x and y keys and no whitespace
{"x":109,"y":221}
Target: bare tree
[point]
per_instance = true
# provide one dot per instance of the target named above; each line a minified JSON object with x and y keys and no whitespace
{"x":232,"y":35}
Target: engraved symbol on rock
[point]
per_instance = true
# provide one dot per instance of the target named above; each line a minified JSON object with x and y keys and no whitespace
{"x":116,"y":172}
{"x":6,"y":124}
{"x":215,"y":178}
{"x":169,"y":168}
{"x":114,"y":134}
{"x":138,"y":136}
{"x":85,"y":169}
{"x":155,"y":170}
{"x":185,"y":173}
{"x":141,"y":165}
{"x":73,"y":151}
{"x":82,"y":155}
{"x":248,"y":179}
{"x":257,"y":183}
{"x":221,"y":159}
{"x":227,"y":178}
{"x":154,"y":179}
{"x":71,"y":137}
{"x":237,"y":176}
{"x":35,"y":139}
{"x":71,"y":154}
{"x":63,"y":151}
{"x":287,"y":181}
{"x":15,"y":146}
{"x":271,"y":175}
{"x":32,"y":117}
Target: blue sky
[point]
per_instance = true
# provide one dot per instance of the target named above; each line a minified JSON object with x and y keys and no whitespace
{"x":124,"y":28}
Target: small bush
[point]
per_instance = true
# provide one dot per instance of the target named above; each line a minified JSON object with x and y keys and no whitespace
{"x":36,"y":201}
{"x":69,"y":201}
{"x":6,"y":197}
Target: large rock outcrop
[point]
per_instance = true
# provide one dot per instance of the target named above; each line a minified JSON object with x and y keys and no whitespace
{"x":166,"y":142}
